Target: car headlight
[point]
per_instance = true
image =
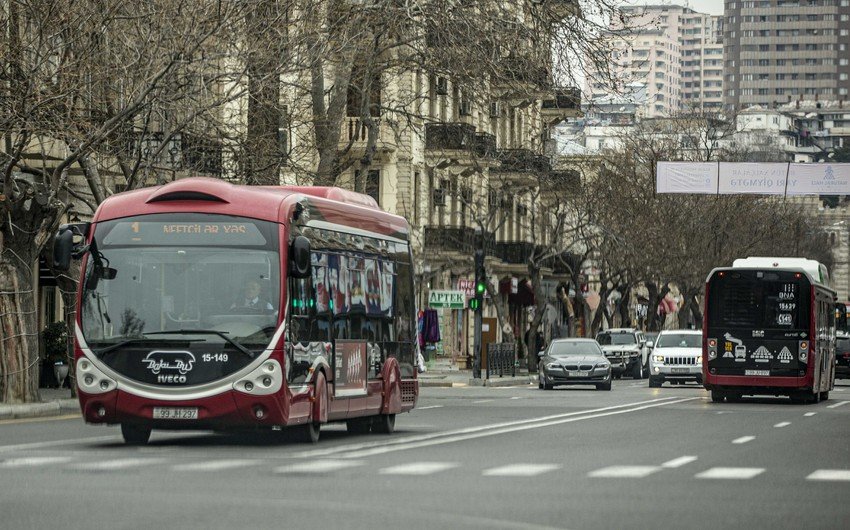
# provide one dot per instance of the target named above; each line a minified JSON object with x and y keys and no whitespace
{"x":699,"y":359}
{"x":553,"y":366}
{"x":603,"y":366}
{"x":658,"y":358}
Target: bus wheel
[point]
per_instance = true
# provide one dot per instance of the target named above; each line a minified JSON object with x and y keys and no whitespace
{"x":814,"y":397}
{"x":135,"y":434}
{"x":717,"y":396}
{"x":359,"y":425}
{"x":383,"y":424}
{"x":824,"y":395}
{"x":309,"y":432}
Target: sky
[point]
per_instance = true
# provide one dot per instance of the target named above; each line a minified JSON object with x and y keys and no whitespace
{"x":712,"y":7}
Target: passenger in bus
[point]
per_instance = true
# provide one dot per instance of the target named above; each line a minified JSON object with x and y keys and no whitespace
{"x":251,"y":298}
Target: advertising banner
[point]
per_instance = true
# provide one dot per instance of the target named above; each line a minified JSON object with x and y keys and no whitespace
{"x":819,"y":179}
{"x":752,"y":178}
{"x":686,"y":177}
{"x":447,"y":299}
{"x":350,"y":366}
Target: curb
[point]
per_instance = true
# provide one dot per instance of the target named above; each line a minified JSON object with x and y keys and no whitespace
{"x":438,"y":384}
{"x":58,"y":407}
{"x":502,"y":381}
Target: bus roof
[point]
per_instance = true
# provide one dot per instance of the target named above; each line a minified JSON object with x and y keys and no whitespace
{"x":270,"y":203}
{"x":816,"y":270}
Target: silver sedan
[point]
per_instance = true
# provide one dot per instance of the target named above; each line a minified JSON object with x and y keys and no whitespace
{"x":574,"y":362}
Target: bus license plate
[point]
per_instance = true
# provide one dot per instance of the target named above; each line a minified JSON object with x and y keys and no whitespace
{"x":756,"y":372}
{"x":171,"y":413}
{"x":579,"y":374}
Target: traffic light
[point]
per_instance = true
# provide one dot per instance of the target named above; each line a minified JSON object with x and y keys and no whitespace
{"x":480,"y":281}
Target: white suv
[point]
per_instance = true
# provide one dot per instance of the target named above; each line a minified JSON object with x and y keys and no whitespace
{"x":676,"y":357}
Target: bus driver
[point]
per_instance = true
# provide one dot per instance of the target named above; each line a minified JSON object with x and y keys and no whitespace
{"x":251,"y":298}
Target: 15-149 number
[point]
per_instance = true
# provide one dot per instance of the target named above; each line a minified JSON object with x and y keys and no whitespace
{"x":217,"y":357}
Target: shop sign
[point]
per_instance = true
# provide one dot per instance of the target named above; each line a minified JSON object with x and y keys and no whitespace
{"x":447,"y":299}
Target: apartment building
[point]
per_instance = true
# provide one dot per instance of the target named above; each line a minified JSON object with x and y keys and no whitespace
{"x":674,"y":51}
{"x":783,"y":50}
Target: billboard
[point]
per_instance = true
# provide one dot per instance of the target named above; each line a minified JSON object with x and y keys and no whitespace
{"x":752,"y":178}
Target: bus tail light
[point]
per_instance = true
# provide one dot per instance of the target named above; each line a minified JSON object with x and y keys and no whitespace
{"x":712,"y":349}
{"x":804,"y":351}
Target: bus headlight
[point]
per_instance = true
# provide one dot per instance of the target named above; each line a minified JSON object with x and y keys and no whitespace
{"x":264,"y":380}
{"x":91,"y":380}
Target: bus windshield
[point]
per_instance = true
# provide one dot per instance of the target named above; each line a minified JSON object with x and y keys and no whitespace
{"x":201,"y":288}
{"x":756,"y":300}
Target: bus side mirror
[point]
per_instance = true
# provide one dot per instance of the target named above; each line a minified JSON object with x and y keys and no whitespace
{"x":63,"y":245}
{"x":299,"y":258}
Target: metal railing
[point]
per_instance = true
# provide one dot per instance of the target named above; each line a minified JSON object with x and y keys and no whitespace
{"x":501,"y":358}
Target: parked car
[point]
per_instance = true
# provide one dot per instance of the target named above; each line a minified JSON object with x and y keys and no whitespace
{"x":676,"y":358}
{"x":626,"y":349}
{"x":842,"y":356}
{"x":574,"y":362}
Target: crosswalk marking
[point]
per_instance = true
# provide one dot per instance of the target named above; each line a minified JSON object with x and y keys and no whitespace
{"x":418,"y":468}
{"x":783,"y":424}
{"x":830,"y":474}
{"x":112,"y":465}
{"x":520,"y":470}
{"x":739,"y":473}
{"x":679,"y":462}
{"x":625,"y":471}
{"x":319,"y":466}
{"x":214,"y":465}
{"x":743,"y":439}
{"x":33,"y":461}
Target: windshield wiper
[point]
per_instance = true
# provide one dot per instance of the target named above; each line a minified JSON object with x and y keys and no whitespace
{"x":112,"y":348}
{"x":222,"y":334}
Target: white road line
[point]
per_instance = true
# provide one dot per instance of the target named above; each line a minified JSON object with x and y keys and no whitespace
{"x":734,"y":473}
{"x":516,"y":397}
{"x":783,"y":424}
{"x":113,"y":465}
{"x":405,"y":441}
{"x":830,"y":474}
{"x":418,"y":468}
{"x":318,"y":467}
{"x":838,"y":389}
{"x":520,"y":470}
{"x":492,"y":432}
{"x":743,"y":439}
{"x":809,"y":414}
{"x":838,"y":404}
{"x":624,"y":471}
{"x":214,"y":465}
{"x":679,"y":462}
{"x":430,"y":407}
{"x":34,"y":461}
{"x":64,"y":443}
{"x":484,"y":401}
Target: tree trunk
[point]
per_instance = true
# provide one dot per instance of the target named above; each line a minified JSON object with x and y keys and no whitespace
{"x":625,"y":320}
{"x":696,"y":310}
{"x":18,"y":327}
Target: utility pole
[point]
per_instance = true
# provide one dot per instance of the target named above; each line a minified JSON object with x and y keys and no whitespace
{"x":476,"y":304}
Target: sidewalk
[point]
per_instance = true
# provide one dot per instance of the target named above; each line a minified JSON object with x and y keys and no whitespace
{"x":451,"y":378}
{"x":54,"y":402}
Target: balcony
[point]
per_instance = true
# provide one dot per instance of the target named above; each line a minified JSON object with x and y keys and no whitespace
{"x":449,"y":136}
{"x":565,"y":104}
{"x":525,"y":69}
{"x":462,"y":240}
{"x":515,"y":252}
{"x":484,"y":145}
{"x":523,"y":161}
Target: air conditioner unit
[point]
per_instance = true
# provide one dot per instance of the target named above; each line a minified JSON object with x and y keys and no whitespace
{"x":442,"y":86}
{"x":495,"y":109}
{"x":465,"y":107}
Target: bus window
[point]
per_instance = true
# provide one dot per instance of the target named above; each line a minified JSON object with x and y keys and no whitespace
{"x":744,"y":303}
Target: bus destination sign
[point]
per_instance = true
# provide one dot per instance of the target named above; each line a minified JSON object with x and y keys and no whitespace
{"x":185,"y":233}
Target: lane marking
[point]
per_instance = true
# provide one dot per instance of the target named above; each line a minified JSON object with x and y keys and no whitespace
{"x":838,"y":404}
{"x":830,"y":474}
{"x":516,"y":397}
{"x":38,"y":445}
{"x":467,"y":430}
{"x":783,"y":424}
{"x":679,"y":462}
{"x":492,"y":432}
{"x":34,"y":461}
{"x":35,"y":420}
{"x":625,"y":471}
{"x":733,"y":473}
{"x":318,"y":467}
{"x":418,"y":468}
{"x":430,"y":407}
{"x":809,"y":414}
{"x":520,"y":470}
{"x":743,"y":439}
{"x":214,"y":465}
{"x":484,"y":401}
{"x":838,"y":389}
{"x":113,"y":465}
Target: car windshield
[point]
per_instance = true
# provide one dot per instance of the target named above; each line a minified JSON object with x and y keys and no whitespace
{"x":615,"y":339}
{"x":679,"y":340}
{"x":567,"y":348}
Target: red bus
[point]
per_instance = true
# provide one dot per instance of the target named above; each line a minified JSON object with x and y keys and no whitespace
{"x":769,"y":329}
{"x":206,"y":305}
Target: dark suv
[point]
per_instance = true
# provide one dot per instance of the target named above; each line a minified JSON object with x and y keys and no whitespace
{"x":842,"y":356}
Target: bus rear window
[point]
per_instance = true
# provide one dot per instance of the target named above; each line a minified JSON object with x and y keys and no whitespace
{"x":754,"y":303}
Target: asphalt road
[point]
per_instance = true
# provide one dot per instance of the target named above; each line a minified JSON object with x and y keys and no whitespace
{"x":467,"y":457}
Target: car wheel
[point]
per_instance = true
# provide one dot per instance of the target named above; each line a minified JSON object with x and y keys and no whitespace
{"x":604,"y":386}
{"x":548,"y":387}
{"x":654,"y":382}
{"x":637,"y":371}
{"x":135,"y":434}
{"x":718,"y":396}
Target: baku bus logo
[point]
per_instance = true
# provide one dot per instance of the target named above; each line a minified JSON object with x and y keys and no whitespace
{"x":159,"y":360}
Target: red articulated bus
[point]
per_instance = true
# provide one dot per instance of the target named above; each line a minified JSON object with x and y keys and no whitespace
{"x":769,"y":329}
{"x":206,"y":305}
